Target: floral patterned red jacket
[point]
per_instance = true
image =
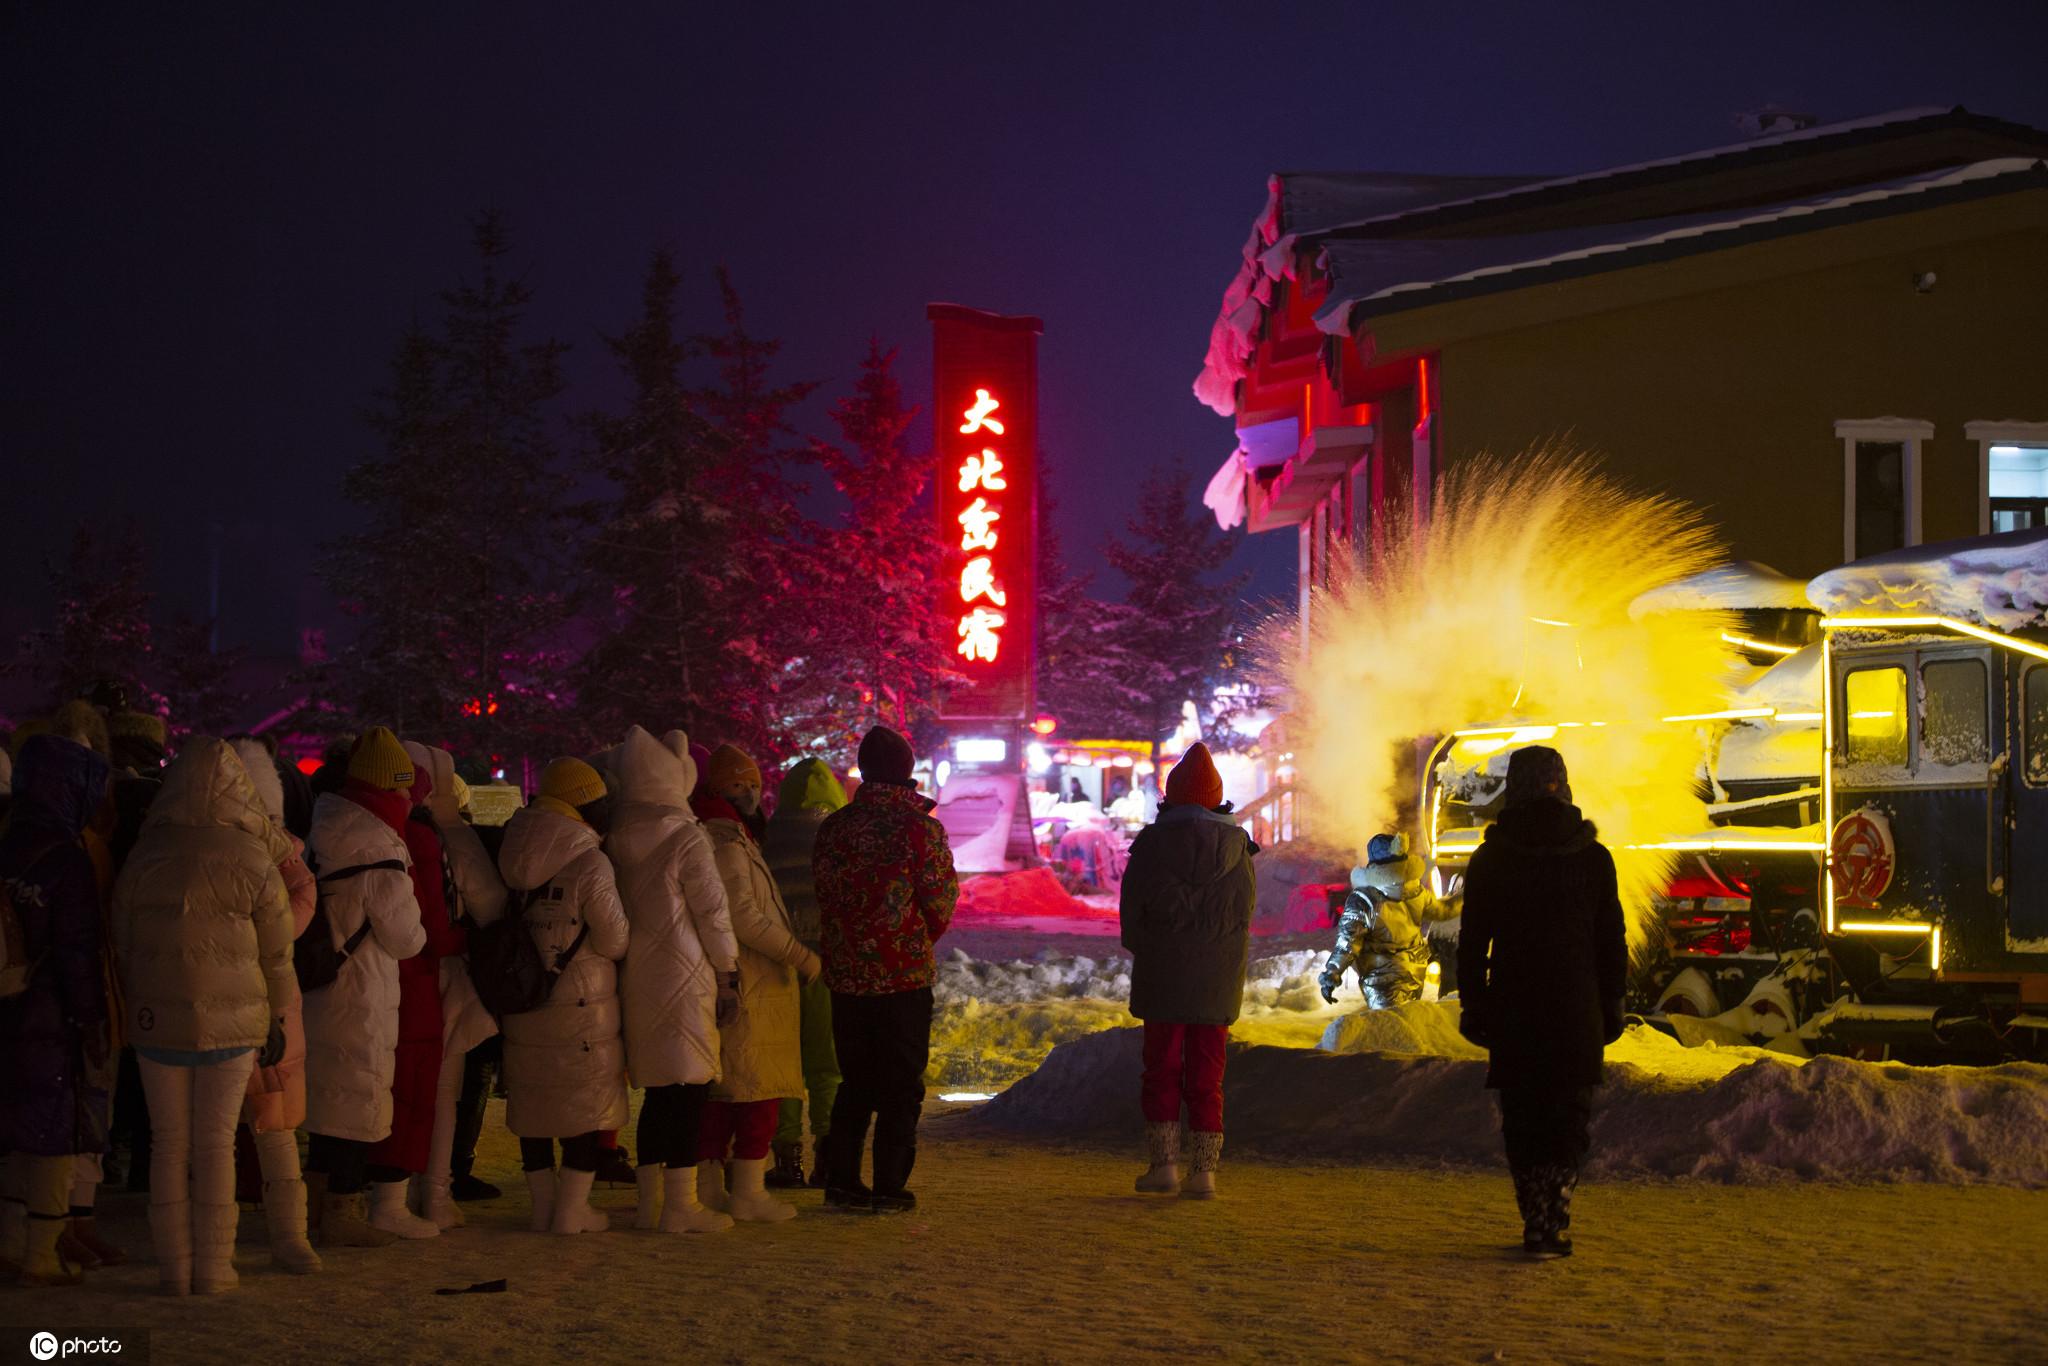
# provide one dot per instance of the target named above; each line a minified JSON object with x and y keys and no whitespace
{"x":886,"y":890}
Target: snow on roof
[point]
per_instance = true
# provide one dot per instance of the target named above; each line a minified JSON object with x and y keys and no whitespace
{"x":1996,"y":581}
{"x":1737,"y":585}
{"x":1792,"y":684}
{"x":1394,"y":273}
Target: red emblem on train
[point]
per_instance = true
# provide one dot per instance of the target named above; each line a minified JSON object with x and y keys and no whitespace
{"x":1861,"y":857}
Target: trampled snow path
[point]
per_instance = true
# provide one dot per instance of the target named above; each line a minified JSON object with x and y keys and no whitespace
{"x":1735,"y":1115}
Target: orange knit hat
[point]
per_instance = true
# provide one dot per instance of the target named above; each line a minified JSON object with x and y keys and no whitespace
{"x":1194,"y":780}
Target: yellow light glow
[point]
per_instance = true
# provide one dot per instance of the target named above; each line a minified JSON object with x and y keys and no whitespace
{"x":1546,"y":621}
{"x":1761,"y":646}
{"x":1524,"y":735}
{"x":1731,"y":714}
{"x":1884,"y":927}
{"x":1479,"y":748}
{"x":1997,"y":638}
{"x":1747,"y":842}
{"x":1800,"y":716}
{"x":1827,"y":780}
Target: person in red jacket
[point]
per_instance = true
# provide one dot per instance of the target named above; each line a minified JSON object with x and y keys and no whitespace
{"x":886,"y":891}
{"x":402,"y":1154}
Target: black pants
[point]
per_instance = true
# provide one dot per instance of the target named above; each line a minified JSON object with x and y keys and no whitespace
{"x":344,"y":1161}
{"x":1547,"y":1133}
{"x":669,"y":1120}
{"x":578,"y":1154}
{"x":480,"y":1068}
{"x":883,"y":1044}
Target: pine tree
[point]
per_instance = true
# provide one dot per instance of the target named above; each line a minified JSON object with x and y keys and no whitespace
{"x":658,"y":555}
{"x":100,"y":628}
{"x":766,"y":618}
{"x":457,"y":580}
{"x":1084,"y":663}
{"x":1177,"y":631}
{"x":878,"y":647}
{"x":198,"y":681}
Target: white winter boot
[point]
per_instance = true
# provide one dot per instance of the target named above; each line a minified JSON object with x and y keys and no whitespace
{"x":647,"y":1181}
{"x":1204,"y":1152}
{"x":388,"y":1212}
{"x":1162,"y":1148}
{"x":432,"y":1200}
{"x":573,"y":1213}
{"x":680,"y":1212}
{"x":711,"y":1187}
{"x":170,"y":1230}
{"x":750,"y":1202}
{"x":541,"y":1186}
{"x":284,"y":1216}
{"x":213,"y":1247}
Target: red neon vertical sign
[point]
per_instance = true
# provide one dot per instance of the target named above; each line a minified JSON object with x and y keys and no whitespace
{"x":985,"y":418}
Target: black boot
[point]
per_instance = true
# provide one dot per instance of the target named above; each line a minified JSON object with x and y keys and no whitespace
{"x":843,"y":1187}
{"x":788,"y":1172}
{"x":893,"y":1162}
{"x":818,"y":1146}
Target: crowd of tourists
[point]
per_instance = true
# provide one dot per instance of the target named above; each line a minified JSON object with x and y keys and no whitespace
{"x":300,"y":990}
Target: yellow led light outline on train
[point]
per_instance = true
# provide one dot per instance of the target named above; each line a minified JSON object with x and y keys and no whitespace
{"x":1761,"y":646}
{"x":1999,"y":638}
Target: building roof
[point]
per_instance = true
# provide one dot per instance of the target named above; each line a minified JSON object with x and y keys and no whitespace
{"x":1389,"y":230}
{"x":1370,"y":277}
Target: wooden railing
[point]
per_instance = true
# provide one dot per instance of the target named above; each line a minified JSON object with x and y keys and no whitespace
{"x":1271,"y":817}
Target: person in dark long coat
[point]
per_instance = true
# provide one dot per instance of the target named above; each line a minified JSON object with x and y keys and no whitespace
{"x":1542,"y":966}
{"x":55,"y":1034}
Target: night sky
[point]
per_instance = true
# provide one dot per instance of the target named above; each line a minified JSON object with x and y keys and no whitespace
{"x":215,"y":228}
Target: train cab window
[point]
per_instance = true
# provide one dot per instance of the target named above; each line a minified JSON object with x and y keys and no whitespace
{"x":1874,"y":720}
{"x":2035,"y":705}
{"x":1955,"y":725}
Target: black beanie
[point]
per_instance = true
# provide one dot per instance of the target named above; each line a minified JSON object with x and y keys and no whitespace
{"x":1537,"y":773}
{"x":886,"y":757}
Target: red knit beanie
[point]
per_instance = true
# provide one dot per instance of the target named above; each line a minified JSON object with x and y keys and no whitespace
{"x":1194,"y":780}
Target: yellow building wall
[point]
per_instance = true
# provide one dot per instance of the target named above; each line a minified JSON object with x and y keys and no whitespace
{"x":1723,"y":386}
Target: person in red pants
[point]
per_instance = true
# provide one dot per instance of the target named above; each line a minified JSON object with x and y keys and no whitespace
{"x":1187,"y":902}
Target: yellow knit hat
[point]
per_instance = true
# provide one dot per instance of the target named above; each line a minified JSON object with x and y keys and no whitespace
{"x":139,"y":725}
{"x":730,"y":764}
{"x":379,"y":760}
{"x":571,"y":782}
{"x":461,"y":793}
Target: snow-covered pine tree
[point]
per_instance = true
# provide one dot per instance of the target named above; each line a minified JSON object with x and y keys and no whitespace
{"x":99,"y":627}
{"x":1177,"y":634}
{"x":879,"y":648}
{"x":456,"y":579}
{"x":1084,"y":664}
{"x":764,"y":615}
{"x":659,"y":579}
{"x":197,"y":681}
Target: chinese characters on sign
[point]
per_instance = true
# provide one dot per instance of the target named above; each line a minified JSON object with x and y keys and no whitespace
{"x":985,"y":404}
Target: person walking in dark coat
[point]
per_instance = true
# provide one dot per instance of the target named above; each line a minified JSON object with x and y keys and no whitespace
{"x":56,"y":1032}
{"x":1187,"y":901}
{"x":1542,"y":966}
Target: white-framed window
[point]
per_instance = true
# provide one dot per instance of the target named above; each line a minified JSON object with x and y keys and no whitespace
{"x":2012,"y":475}
{"x":1880,"y":483}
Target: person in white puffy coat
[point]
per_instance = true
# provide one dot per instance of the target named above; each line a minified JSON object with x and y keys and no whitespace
{"x":565,"y":1063}
{"x":680,"y":953}
{"x":465,"y":1023}
{"x":760,"y":1051}
{"x":359,"y":859}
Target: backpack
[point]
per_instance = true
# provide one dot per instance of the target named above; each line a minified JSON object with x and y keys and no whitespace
{"x":505,"y":965}
{"x":315,"y":960}
{"x":16,"y":967}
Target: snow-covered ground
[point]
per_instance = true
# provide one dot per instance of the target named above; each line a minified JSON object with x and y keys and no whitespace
{"x":1026,"y":1251}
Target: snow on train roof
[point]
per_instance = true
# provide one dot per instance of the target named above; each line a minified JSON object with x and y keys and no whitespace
{"x":1995,"y":581}
{"x":1736,"y":586}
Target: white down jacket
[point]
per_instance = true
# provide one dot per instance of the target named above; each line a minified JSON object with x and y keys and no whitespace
{"x":762,"y":1050}
{"x":352,"y":1026}
{"x":202,"y":921}
{"x":681,"y":931}
{"x":479,"y":895}
{"x":565,"y":1063}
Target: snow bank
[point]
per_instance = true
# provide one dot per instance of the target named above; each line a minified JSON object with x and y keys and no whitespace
{"x":1722,"y":1114}
{"x":1031,"y":897}
{"x":1995,"y":581}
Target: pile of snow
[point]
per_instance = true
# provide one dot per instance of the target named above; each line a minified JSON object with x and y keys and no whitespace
{"x":1995,"y":581}
{"x":1033,"y":896}
{"x":1724,"y":1114}
{"x":1736,"y":586}
{"x":994,"y":1022}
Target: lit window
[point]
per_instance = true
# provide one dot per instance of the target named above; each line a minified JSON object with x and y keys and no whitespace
{"x":1874,"y":720}
{"x":2035,"y":704}
{"x":2017,"y":477}
{"x":1955,"y":723}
